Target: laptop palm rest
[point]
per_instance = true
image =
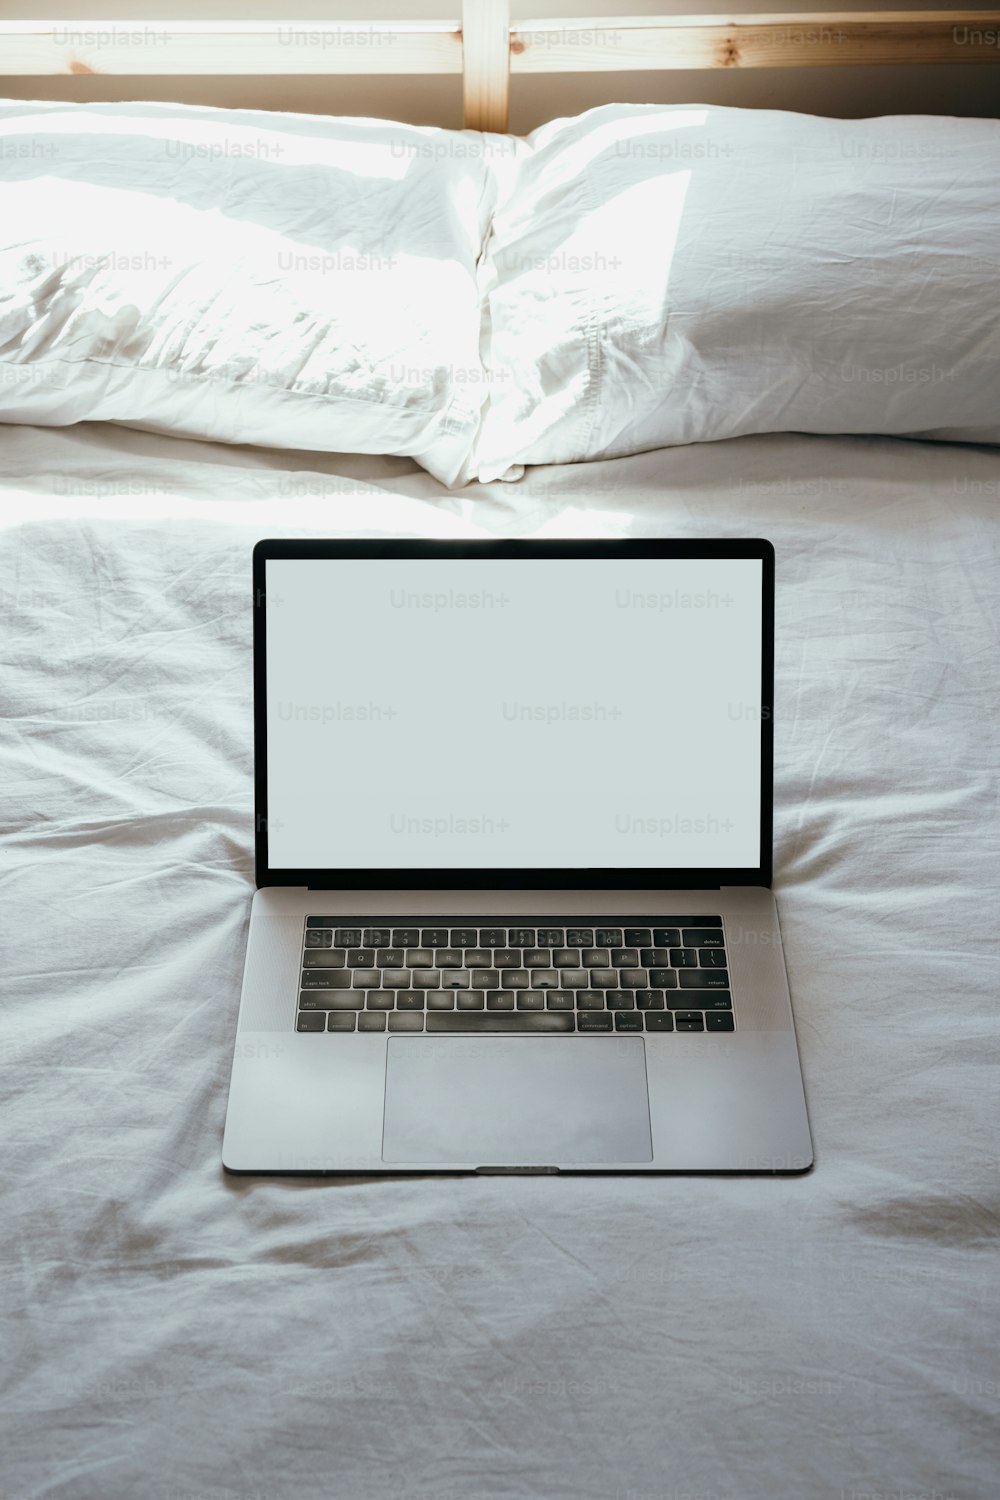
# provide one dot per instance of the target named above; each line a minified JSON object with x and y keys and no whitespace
{"x":516,"y":1101}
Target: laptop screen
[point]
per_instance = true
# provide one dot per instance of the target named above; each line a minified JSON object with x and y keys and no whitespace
{"x":481,"y":713}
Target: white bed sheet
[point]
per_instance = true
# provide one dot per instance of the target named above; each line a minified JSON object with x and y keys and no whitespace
{"x":172,"y":1333}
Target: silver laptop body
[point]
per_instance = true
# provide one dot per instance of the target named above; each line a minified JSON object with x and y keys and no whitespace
{"x":513,"y":843}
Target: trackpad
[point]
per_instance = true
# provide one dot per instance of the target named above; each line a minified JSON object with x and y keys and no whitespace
{"x":516,"y":1101}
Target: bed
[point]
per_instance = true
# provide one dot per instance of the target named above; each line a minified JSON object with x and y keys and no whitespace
{"x":176,"y":1334}
{"x":172,"y":1333}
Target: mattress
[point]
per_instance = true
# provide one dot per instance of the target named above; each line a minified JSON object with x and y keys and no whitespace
{"x":174,"y":1333}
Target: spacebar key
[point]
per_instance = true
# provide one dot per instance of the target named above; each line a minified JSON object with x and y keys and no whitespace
{"x":473,"y":1020}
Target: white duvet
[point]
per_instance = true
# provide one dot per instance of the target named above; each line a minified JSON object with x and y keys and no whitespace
{"x":173,"y":1334}
{"x":179,"y":1335}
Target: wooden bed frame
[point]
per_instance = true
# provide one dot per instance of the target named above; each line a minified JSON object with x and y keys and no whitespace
{"x":486,"y":49}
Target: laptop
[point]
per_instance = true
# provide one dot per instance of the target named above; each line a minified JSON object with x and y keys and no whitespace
{"x":513,"y":863}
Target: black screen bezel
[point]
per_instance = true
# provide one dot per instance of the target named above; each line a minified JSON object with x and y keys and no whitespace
{"x":646,"y":878}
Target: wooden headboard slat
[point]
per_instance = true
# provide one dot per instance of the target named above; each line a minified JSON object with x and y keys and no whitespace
{"x":486,"y":49}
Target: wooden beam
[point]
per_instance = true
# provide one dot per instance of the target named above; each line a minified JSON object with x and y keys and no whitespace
{"x":486,"y":67}
{"x":804,"y":39}
{"x":486,"y":49}
{"x":161,"y":48}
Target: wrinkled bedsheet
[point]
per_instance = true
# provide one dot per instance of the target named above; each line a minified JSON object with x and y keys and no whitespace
{"x":172,"y":1333}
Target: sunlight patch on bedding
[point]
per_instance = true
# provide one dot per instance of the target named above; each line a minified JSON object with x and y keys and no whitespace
{"x":574,"y":520}
{"x":188,"y":141}
{"x":616,"y":135}
{"x":362,"y":510}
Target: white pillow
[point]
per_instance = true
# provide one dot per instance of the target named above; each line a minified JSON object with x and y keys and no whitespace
{"x":251,"y":277}
{"x":673,"y":275}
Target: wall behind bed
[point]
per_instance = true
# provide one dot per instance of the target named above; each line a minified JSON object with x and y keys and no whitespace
{"x":437,"y":100}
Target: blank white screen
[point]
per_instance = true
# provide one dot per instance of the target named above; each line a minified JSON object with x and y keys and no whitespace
{"x":549,"y":713}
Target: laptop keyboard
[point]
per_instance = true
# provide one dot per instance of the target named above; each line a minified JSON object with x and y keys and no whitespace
{"x":653,"y":974}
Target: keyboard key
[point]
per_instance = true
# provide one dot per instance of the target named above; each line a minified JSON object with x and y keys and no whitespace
{"x":425,"y":979}
{"x":575,"y":979}
{"x":379,"y":1000}
{"x":659,"y":1020}
{"x":609,"y":937}
{"x":624,"y":958}
{"x":567,"y":958}
{"x":485,"y":979}
{"x":332,"y":958}
{"x":390,"y":958}
{"x":369,"y":979}
{"x":311,"y":1020}
{"x":449,"y":958}
{"x":409,"y":1000}
{"x":419,"y":958}
{"x":664,"y":979}
{"x":371,"y":1021}
{"x":551,"y":937}
{"x":590,"y":1000}
{"x":493,"y":937}
{"x":434,"y":937}
{"x":478,"y":958}
{"x":399,"y":1022}
{"x":654,"y":958}
{"x":455,"y":979}
{"x":531,"y":1000}
{"x":634,"y":979}
{"x":579,"y":937}
{"x":621,"y":1000}
{"x":485,"y":1021}
{"x":558,"y":1000}
{"x":471,"y":1000}
{"x":464,"y":937}
{"x":597,"y":958}
{"x":704,"y":979}
{"x":649,"y":999}
{"x":636,"y":936}
{"x":500,"y":1000}
{"x":342,"y":1021}
{"x":332,"y":1000}
{"x":361,"y":958}
{"x":545,"y":979}
{"x":667,"y":937}
{"x":587,"y":1020}
{"x":713,"y":958}
{"x":396,"y":979}
{"x":705,"y":1000}
{"x":515,"y":979}
{"x":313,"y":979}
{"x":703,"y":937}
{"x":318,"y":940}
{"x":440,"y":1000}
{"x":348,"y":937}
{"x":684,"y":958}
{"x":406,"y":937}
{"x":604,"y":979}
{"x":522,"y":937}
{"x":321,"y":921}
{"x":377,"y":937}
{"x":692,"y":1022}
{"x":628,"y":1021}
{"x":719,"y":1020}
{"x":336,"y":979}
{"x":537,"y":958}
{"x":506,"y":958}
